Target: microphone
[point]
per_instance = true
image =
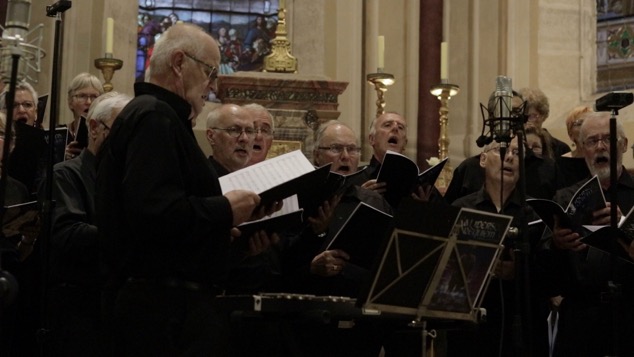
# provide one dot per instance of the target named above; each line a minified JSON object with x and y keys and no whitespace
{"x":15,"y":41}
{"x":502,"y":110}
{"x":498,"y":116}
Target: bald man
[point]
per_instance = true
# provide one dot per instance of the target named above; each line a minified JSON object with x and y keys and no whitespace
{"x":164,"y":221}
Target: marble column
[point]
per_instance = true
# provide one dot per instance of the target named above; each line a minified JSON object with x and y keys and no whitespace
{"x":430,"y":37}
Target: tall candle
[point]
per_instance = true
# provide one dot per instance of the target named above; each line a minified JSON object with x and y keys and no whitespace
{"x":443,"y":60}
{"x":381,"y":52}
{"x":109,"y":34}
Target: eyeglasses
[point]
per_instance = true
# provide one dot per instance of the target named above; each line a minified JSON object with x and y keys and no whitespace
{"x":337,"y":149}
{"x":591,"y":143}
{"x":533,"y":116}
{"x":105,"y":126}
{"x":496,"y":150}
{"x":264,"y":131}
{"x":211,"y":72}
{"x":236,"y":131}
{"x":85,"y":97}
{"x":25,"y":105}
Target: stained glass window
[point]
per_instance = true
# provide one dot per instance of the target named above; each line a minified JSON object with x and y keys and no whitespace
{"x":615,"y":45}
{"x":243,"y":29}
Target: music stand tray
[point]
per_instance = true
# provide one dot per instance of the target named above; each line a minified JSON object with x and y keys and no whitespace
{"x":437,"y":262}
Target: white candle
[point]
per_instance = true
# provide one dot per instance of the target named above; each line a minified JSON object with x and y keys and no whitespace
{"x":443,"y":60}
{"x":109,"y":34}
{"x":381,"y":52}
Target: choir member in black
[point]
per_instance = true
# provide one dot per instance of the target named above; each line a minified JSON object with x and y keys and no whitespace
{"x":388,"y":131}
{"x":165,"y":226}
{"x":497,"y":195}
{"x":82,"y":92}
{"x":74,"y":293}
{"x":230,"y":133}
{"x":572,"y":165}
{"x":537,"y":111}
{"x":586,"y":327}
{"x":543,"y":177}
{"x":309,"y":269}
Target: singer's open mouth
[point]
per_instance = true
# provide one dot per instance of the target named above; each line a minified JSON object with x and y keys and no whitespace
{"x":392,"y":140}
{"x":602,"y":160}
{"x":257,"y":148}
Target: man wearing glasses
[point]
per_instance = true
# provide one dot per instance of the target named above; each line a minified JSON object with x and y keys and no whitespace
{"x":74,"y":295}
{"x":264,"y":127}
{"x":586,"y":327}
{"x":230,"y":133}
{"x":309,"y":269}
{"x":164,"y":222}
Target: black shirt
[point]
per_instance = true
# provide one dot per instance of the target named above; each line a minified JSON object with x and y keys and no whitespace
{"x":160,"y":207}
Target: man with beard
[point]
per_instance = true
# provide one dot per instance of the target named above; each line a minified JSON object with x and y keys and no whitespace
{"x":230,"y":133}
{"x":264,"y":127}
{"x":586,"y":325}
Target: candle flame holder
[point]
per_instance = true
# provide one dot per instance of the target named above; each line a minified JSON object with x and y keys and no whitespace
{"x":444,"y":91}
{"x":108,"y":65}
{"x":381,"y":81}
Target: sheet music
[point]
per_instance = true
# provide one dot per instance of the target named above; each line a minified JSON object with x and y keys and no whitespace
{"x":268,"y":173}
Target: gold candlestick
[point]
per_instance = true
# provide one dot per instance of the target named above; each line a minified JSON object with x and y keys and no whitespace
{"x":107,"y":66}
{"x":280,"y":59}
{"x":380,"y":81}
{"x":444,"y":91}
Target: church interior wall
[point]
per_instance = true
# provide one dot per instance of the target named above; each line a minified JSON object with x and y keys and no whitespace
{"x":549,"y":44}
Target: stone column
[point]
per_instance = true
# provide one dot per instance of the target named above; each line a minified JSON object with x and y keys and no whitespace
{"x":430,"y":37}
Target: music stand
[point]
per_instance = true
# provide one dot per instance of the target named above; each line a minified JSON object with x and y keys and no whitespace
{"x":437,"y":263}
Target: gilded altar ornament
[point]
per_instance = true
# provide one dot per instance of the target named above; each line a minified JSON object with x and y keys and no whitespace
{"x":108,"y":66}
{"x":280,"y":59}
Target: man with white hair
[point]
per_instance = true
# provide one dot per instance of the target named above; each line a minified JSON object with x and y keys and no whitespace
{"x":74,"y":293}
{"x":230,"y":133}
{"x":164,"y":222}
{"x":586,"y":314}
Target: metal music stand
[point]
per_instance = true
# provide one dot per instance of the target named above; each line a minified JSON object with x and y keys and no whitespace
{"x":436,"y":264}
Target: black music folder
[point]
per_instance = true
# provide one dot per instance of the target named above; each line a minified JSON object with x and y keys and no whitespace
{"x":402,"y":176}
{"x":578,"y":213}
{"x":287,"y":222}
{"x":362,"y":235}
{"x":437,"y":262}
{"x":335,"y":184}
{"x":606,"y":239}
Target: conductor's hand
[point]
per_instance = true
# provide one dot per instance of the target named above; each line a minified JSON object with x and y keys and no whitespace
{"x":242,"y":204}
{"x":379,"y":187}
{"x":320,"y":222}
{"x":329,"y":262}
{"x":565,"y":238}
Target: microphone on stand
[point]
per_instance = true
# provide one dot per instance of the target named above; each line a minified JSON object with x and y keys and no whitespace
{"x":499,"y":117}
{"x":17,"y":39}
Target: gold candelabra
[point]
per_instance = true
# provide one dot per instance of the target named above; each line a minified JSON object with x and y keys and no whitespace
{"x":107,"y":66}
{"x":444,"y":91}
{"x":381,"y":81}
{"x":280,"y":59}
